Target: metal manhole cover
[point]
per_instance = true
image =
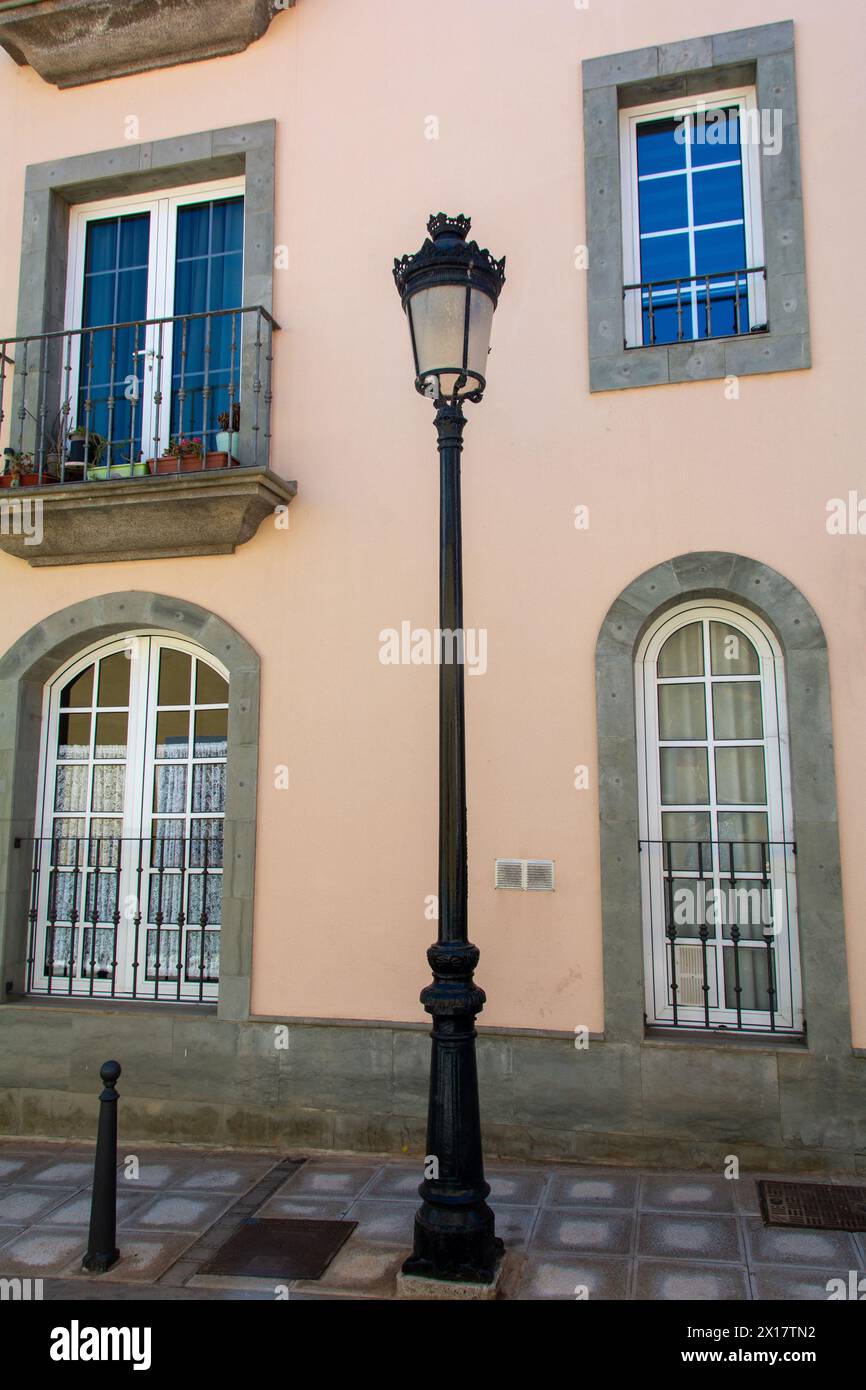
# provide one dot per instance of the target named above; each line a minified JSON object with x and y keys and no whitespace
{"x":815,"y":1205}
{"x":280,"y":1249}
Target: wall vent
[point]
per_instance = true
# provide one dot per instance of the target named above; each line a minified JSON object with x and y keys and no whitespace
{"x":531,"y":875}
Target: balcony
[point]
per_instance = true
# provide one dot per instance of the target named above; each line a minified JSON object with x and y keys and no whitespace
{"x":72,"y":42}
{"x":723,"y":952}
{"x":84,"y":940}
{"x":724,"y":304}
{"x":138,"y":440}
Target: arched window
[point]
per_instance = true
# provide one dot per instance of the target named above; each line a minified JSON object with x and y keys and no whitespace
{"x":128,"y":854}
{"x":716,"y":824}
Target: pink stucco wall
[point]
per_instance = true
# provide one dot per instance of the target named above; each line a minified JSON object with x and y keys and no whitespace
{"x":347,"y":855}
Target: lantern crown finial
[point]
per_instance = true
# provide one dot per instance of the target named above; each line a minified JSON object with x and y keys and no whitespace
{"x":440,"y":224}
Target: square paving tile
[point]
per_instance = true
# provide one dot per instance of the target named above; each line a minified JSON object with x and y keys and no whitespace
{"x":593,"y":1190}
{"x":514,"y":1225}
{"x":769,"y":1245}
{"x":19,"y":1205}
{"x":306,"y":1207}
{"x":360,"y":1268}
{"x":515,"y":1187}
{"x":693,"y":1237}
{"x":40,"y":1251}
{"x":14,"y":1167}
{"x":564,"y":1277}
{"x":781,"y":1283}
{"x":144,"y":1256}
{"x":668,"y":1280}
{"x":173,"y":1211}
{"x":64,"y":1172}
{"x":692,"y":1193}
{"x":398,"y":1181}
{"x":226,"y":1176}
{"x":590,"y":1233}
{"x":76,"y":1211}
{"x":153,"y":1173}
{"x":330,"y":1180}
{"x":384,"y":1223}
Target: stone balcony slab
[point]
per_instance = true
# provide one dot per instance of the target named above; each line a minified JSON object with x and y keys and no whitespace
{"x":161,"y":517}
{"x":73,"y":42}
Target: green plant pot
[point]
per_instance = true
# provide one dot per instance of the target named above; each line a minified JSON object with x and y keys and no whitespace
{"x":102,"y":472}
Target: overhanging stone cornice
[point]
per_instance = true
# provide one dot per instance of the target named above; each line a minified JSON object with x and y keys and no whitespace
{"x":73,"y":42}
{"x":207,"y":513}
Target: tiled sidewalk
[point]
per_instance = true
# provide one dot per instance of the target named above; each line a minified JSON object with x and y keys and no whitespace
{"x":618,"y":1233}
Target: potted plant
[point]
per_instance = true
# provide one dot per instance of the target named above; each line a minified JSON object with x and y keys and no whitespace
{"x":186,"y":455}
{"x":227,"y":434}
{"x":84,"y":453}
{"x":18,"y":471}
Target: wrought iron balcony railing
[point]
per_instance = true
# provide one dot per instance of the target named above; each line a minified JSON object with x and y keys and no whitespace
{"x":126,"y":400}
{"x":122,"y":918}
{"x":724,"y":304}
{"x":724,"y":910}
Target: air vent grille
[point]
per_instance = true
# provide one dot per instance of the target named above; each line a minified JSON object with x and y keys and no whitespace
{"x":530,"y":875}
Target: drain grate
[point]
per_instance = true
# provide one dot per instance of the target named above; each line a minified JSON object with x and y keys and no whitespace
{"x":263,"y":1248}
{"x":814,"y":1205}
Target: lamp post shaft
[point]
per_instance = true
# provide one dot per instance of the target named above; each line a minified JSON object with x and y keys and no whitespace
{"x":454,"y":1227}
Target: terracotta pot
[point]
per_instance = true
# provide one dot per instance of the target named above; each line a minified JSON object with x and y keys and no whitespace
{"x":27,"y":480}
{"x":190,"y":463}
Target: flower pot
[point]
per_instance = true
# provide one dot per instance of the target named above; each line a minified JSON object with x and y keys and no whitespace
{"x":26,"y":480}
{"x":191,"y":463}
{"x":226,"y":443}
{"x":117,"y":470}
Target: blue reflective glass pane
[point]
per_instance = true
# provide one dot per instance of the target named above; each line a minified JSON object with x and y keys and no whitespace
{"x":193,"y":230}
{"x":664,"y":257}
{"x":667,"y":325}
{"x":717,"y":194}
{"x":101,"y":246}
{"x":723,"y":318}
{"x":225,"y":282}
{"x":190,"y":287}
{"x":723,"y":248}
{"x":134,"y":240}
{"x":663,"y":204}
{"x":228,"y":226}
{"x":660,"y":146}
{"x":98,"y":300}
{"x":715,"y":137}
{"x":131,"y":301}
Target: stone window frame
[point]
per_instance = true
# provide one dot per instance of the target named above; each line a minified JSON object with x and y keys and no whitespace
{"x":823,"y":957}
{"x":24,"y":670}
{"x":54,"y":186}
{"x":762,"y":57}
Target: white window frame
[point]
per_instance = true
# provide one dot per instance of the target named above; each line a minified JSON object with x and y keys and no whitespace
{"x":137,"y":814}
{"x":162,"y":206}
{"x":630,"y":119}
{"x":789,"y":1004}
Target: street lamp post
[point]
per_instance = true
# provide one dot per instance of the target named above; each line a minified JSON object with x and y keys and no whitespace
{"x":449,"y":291}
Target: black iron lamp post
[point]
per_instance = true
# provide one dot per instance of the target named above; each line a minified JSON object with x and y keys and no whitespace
{"x":449,"y":291}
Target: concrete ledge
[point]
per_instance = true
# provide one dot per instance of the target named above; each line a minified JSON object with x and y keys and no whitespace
{"x":221,"y":1082}
{"x":161,"y":517}
{"x":73,"y":42}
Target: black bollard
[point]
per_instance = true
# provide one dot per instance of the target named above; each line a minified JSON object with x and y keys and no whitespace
{"x":102,"y":1252}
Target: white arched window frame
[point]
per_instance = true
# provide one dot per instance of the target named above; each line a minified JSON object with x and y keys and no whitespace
{"x":129,"y":823}
{"x":674,"y":876}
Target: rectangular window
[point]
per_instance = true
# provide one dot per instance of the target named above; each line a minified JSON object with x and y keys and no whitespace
{"x":692,"y":236}
{"x":152,"y":281}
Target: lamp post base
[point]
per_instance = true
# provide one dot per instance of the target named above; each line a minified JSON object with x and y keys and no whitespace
{"x":421,"y":1286}
{"x":455,"y":1245}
